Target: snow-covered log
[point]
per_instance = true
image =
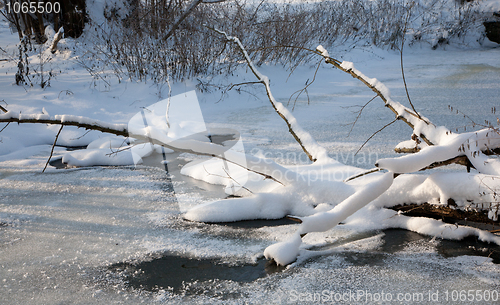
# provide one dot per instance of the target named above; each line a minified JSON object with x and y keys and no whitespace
{"x":286,"y":252}
{"x":468,"y":144}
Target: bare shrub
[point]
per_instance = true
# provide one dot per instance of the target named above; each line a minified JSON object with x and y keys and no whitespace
{"x":277,"y":33}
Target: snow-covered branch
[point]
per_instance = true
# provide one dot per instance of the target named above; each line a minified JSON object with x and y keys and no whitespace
{"x":421,"y":125}
{"x":468,"y":144}
{"x":268,"y":169}
{"x":65,"y":120}
{"x":446,"y":145}
{"x":312,"y":149}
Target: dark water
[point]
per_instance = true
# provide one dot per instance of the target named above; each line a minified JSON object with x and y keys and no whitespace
{"x":171,"y":271}
{"x":174,"y":272}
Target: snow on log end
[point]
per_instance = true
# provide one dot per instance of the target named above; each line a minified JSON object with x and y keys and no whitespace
{"x":284,"y":252}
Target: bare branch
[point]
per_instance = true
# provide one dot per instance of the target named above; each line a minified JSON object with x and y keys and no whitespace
{"x":181,"y":18}
{"x":52,"y":150}
{"x":304,"y":89}
{"x":408,"y":15}
{"x":375,"y":134}
{"x":5,"y":127}
{"x":363,"y":174}
{"x":359,"y":114}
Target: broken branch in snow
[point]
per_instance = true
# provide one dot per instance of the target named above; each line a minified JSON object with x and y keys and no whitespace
{"x":286,"y":252}
{"x":448,"y":144}
{"x":305,"y":140}
{"x":57,"y":37}
{"x":468,"y":144}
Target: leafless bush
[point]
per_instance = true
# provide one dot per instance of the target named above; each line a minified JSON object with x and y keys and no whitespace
{"x":272,"y":32}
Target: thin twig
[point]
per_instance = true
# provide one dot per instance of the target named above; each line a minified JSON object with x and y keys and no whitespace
{"x":52,"y":150}
{"x":363,"y":174}
{"x":83,"y":135}
{"x":120,"y":149}
{"x":304,"y":89}
{"x":359,"y":114}
{"x":230,"y":87}
{"x":242,"y":186}
{"x":401,"y":52}
{"x":5,"y":127}
{"x":226,"y":177}
{"x":375,"y":134}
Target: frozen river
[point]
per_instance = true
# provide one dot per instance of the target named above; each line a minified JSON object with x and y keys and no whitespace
{"x":117,"y":236}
